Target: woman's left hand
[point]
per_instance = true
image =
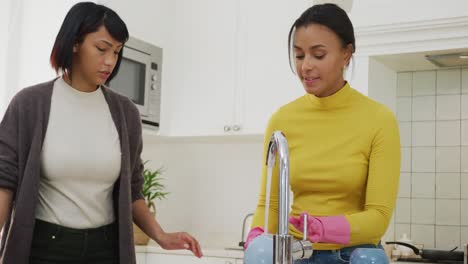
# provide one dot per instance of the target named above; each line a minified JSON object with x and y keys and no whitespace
{"x":180,"y":240}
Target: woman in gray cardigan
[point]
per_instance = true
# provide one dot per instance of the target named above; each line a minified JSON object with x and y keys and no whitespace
{"x":70,"y":166}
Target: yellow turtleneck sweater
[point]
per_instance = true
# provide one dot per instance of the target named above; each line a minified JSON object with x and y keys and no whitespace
{"x":344,"y":160}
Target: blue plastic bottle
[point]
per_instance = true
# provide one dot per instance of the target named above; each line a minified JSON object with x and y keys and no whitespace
{"x":368,"y":256}
{"x":260,"y":250}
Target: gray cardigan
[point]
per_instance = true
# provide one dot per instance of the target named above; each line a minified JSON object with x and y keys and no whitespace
{"x":22,"y":132}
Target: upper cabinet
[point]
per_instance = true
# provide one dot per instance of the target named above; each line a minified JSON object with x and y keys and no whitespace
{"x":266,"y":81}
{"x":201,"y":65}
{"x":228,"y":66}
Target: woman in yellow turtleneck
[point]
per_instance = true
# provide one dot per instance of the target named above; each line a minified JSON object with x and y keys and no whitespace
{"x":344,"y":147}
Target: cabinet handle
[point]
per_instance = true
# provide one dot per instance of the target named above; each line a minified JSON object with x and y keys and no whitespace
{"x":228,"y":262}
{"x":227,"y":128}
{"x":236,"y":128}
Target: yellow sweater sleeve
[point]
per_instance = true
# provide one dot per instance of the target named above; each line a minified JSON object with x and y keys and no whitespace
{"x":382,"y":184}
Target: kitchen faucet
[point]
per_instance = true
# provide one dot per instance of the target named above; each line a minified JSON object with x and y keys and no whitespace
{"x":284,"y":247}
{"x":242,"y":243}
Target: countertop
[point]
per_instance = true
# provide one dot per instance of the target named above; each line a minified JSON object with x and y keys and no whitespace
{"x":207,"y":252}
{"x":215,"y":252}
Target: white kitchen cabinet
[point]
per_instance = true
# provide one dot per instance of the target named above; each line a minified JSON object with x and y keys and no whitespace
{"x":141,"y":258}
{"x":202,"y":65}
{"x":228,"y":65}
{"x":154,"y":258}
{"x":265,"y":76}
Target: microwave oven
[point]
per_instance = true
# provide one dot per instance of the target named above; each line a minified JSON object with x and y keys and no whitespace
{"x":139,"y":79}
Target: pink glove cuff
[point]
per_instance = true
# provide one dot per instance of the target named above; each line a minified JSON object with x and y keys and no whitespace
{"x":325,"y":229}
{"x":253,"y":233}
{"x":336,"y":229}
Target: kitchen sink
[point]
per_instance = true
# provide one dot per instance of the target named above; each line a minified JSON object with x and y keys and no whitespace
{"x":234,"y":248}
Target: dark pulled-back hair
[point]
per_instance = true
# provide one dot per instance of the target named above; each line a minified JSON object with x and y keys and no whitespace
{"x":329,"y":15}
{"x":82,"y":19}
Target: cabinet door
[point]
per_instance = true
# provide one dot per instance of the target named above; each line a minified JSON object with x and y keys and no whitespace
{"x":141,"y":258}
{"x":201,"y":64}
{"x":153,"y":258}
{"x":266,"y":79}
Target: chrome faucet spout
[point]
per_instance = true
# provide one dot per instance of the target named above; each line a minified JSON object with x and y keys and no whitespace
{"x":282,"y":240}
{"x":284,"y":248}
{"x":279,"y":146}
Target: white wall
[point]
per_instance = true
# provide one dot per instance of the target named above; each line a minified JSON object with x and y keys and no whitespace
{"x":28,"y":31}
{"x":213,"y":184}
{"x":41,"y":21}
{"x":4,"y":28}
{"x":382,"y":12}
{"x":383,"y":81}
{"x":358,"y":74}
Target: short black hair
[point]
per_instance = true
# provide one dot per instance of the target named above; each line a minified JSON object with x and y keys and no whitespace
{"x":329,"y":15}
{"x":82,"y":19}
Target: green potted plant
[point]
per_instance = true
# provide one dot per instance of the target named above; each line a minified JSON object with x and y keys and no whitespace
{"x":152,"y":189}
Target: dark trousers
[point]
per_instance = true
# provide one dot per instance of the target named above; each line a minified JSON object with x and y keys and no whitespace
{"x":339,"y":256}
{"x":55,"y":244}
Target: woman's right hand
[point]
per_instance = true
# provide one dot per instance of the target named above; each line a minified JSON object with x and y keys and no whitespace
{"x":180,"y":240}
{"x":253,"y":233}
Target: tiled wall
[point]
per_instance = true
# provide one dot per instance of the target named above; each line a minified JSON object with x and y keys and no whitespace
{"x":432,"y":205}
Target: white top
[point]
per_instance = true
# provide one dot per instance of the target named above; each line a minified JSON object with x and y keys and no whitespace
{"x":80,"y":160}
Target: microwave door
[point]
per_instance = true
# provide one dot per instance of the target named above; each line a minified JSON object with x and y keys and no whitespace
{"x":133,"y":78}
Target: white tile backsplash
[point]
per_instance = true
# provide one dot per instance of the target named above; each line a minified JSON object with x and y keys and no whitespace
{"x":423,"y":133}
{"x":423,"y":234}
{"x":464,"y":235}
{"x":447,"y":237}
{"x":464,"y":213}
{"x":404,"y":80}
{"x":405,"y":160}
{"x":405,"y":185}
{"x":447,"y":212}
{"x":404,"y":112}
{"x":433,"y":115}
{"x":448,"y":107}
{"x":464,"y":185}
{"x":464,"y":106}
{"x":424,"y":83}
{"x":449,"y":81}
{"x":423,"y":108}
{"x":464,"y":132}
{"x":464,"y":159}
{"x":423,"y":159}
{"x":448,"y":133}
{"x":403,"y":210}
{"x":401,"y":229}
{"x":405,"y":133}
{"x":448,"y":159}
{"x":465,"y":81}
{"x":423,"y":211}
{"x":448,"y":185}
{"x":423,"y":185}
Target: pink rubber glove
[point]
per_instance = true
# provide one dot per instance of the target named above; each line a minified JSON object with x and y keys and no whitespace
{"x":324,"y":229}
{"x":253,"y":233}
